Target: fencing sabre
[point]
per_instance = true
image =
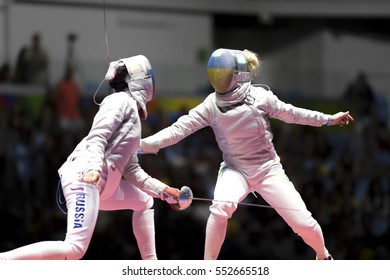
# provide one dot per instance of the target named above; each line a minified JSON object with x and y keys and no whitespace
{"x":186,"y":197}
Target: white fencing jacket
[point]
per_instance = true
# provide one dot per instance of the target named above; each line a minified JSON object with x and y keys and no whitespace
{"x":112,"y":144}
{"x":241,"y":124}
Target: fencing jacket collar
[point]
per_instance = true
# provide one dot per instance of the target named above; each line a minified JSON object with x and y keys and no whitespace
{"x":236,"y":96}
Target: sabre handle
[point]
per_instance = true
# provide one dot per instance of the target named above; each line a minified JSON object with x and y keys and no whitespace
{"x":170,"y":195}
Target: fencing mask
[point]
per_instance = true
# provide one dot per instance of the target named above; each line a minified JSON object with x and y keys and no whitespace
{"x":226,"y":69}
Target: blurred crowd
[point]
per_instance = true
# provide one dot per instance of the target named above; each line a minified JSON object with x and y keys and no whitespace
{"x":31,"y":65}
{"x":342,"y":174}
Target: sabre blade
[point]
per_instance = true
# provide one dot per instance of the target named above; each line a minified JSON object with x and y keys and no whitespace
{"x":202,"y":199}
{"x":243,"y":203}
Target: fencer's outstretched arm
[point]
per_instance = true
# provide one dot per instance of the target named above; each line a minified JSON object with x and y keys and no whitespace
{"x":291,"y":114}
{"x":186,"y":125}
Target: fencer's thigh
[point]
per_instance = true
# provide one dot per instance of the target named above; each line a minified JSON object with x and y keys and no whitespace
{"x":126,"y":196}
{"x":279,"y":192}
{"x":82,"y":202}
{"x":231,"y":186}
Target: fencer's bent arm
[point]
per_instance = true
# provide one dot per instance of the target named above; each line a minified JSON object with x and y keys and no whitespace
{"x":196,"y":119}
{"x":106,"y":121}
{"x":139,"y":178}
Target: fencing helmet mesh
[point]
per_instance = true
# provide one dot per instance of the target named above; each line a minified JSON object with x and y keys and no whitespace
{"x":140,"y":70}
{"x":226,"y":69}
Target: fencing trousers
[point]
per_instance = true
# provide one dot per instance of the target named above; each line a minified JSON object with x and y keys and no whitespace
{"x":277,"y":191}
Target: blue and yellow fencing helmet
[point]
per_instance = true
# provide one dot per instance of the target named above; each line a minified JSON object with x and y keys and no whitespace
{"x":226,"y":69}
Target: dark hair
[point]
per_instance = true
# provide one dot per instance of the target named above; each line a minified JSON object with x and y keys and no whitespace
{"x":118,"y":83}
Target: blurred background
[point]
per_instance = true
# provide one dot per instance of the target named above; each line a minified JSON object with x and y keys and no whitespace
{"x":325,"y":55}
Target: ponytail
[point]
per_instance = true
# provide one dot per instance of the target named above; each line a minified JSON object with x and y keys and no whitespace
{"x":253,"y":60}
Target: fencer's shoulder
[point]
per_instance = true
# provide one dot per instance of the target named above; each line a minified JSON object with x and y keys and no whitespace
{"x":120,"y":96}
{"x":262,"y":88}
{"x":211,"y":98}
{"x":117,"y":100}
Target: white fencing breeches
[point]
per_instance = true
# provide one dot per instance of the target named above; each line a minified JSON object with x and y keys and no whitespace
{"x":278,"y":191}
{"x":82,"y":201}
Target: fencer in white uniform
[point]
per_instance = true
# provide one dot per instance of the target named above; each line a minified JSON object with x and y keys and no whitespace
{"x":239,"y":114}
{"x":102,"y":173}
